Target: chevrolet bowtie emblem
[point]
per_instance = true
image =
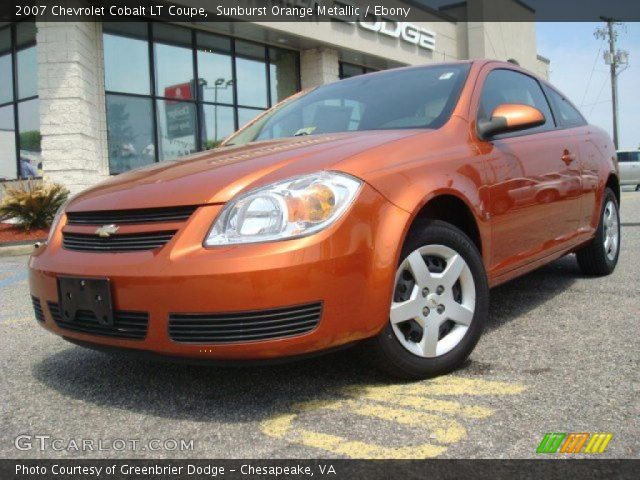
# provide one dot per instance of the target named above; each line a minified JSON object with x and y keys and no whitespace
{"x":106,"y":230}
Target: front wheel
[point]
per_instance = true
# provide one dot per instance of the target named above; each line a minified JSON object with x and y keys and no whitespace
{"x":600,"y":257}
{"x":439,"y":305}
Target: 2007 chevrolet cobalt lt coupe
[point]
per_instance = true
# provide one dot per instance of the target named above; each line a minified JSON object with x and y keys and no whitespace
{"x":377,"y":209}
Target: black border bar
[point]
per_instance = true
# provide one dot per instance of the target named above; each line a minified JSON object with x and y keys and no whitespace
{"x":329,"y":469}
{"x":370,"y":11}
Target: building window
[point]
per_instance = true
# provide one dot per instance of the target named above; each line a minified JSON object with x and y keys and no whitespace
{"x":171,"y":91}
{"x":19,"y":107}
{"x":348,"y":70}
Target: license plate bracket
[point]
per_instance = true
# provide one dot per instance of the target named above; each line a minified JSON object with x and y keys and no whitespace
{"x":92,"y":294}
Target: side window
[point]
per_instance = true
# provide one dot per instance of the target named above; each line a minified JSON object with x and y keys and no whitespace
{"x":628,"y":157}
{"x":508,"y":86}
{"x":568,"y":115}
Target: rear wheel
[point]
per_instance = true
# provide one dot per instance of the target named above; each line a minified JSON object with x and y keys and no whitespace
{"x":601,"y":255}
{"x":439,"y":305}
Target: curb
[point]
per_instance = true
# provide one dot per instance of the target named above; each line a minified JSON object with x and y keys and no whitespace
{"x":15,"y":250}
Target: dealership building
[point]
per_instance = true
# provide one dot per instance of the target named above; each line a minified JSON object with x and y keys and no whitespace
{"x":80,"y":101}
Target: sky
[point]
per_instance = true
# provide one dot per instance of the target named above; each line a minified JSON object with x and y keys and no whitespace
{"x":578,"y":70}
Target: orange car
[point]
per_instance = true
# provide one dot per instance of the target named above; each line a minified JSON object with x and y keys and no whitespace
{"x":380,"y":208}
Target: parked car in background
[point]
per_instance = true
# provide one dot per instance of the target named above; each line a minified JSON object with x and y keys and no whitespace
{"x":629,"y":164}
{"x":376,"y":210}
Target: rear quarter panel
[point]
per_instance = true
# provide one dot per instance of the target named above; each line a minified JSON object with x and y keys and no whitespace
{"x":599,"y":162}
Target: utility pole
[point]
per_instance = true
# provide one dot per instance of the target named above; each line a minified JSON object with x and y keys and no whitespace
{"x":615,"y":59}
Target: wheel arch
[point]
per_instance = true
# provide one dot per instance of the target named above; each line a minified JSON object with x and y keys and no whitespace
{"x":614,"y":184}
{"x":451,"y":207}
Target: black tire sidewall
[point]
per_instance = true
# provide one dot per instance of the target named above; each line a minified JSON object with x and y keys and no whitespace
{"x":611,"y":264}
{"x":413,"y":366}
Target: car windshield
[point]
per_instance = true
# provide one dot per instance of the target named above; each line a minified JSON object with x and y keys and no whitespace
{"x":397,"y":99}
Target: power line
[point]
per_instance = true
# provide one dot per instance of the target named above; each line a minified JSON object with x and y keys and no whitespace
{"x":598,"y":97}
{"x":595,"y":62}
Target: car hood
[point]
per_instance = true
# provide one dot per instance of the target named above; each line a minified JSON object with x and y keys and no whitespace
{"x":218,"y":175}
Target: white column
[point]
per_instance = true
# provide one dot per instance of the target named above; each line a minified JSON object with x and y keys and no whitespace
{"x":72,"y":103}
{"x":319,"y":66}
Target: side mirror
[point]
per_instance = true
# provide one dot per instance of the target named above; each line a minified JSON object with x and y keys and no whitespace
{"x":510,"y":117}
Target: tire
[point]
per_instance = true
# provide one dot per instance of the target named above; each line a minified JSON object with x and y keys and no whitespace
{"x":403,"y":349}
{"x":637,"y":188}
{"x":596,"y":258}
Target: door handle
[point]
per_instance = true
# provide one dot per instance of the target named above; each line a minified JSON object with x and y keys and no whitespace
{"x":568,"y":157}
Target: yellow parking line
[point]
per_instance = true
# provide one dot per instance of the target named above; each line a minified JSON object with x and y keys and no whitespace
{"x":406,"y":405}
{"x":443,"y":429}
{"x":463,"y":386}
{"x":354,"y":449}
{"x":17,"y":321}
{"x":280,"y":426}
{"x":395,"y":395}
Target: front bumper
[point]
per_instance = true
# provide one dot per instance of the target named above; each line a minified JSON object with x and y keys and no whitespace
{"x":349,"y":268}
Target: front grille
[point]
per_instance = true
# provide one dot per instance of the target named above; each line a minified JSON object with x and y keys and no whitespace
{"x":122,"y":217}
{"x":125,"y":324}
{"x":244,"y":326}
{"x":37,"y":309}
{"x":132,"y":242}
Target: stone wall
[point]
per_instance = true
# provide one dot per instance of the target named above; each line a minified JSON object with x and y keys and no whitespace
{"x":72,"y":106}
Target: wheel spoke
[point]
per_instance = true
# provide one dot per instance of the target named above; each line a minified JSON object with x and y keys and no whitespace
{"x":607,"y":244}
{"x":434,"y":300}
{"x":452,"y":272}
{"x":401,"y":312}
{"x":429,"y":342}
{"x":418,"y":267}
{"x":459,"y":313}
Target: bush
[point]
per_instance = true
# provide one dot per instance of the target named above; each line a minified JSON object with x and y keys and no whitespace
{"x":32,"y":204}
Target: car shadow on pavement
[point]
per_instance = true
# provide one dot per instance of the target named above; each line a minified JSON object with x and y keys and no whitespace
{"x":523,"y":294}
{"x":247,"y":394}
{"x":200,"y":393}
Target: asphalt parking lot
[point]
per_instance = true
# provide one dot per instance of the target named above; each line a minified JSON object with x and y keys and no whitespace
{"x":560,"y":355}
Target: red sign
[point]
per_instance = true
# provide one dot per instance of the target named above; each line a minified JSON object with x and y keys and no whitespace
{"x":181,"y":91}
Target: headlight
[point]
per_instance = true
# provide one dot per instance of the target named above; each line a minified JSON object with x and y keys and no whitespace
{"x":292,"y":208}
{"x":56,"y":219}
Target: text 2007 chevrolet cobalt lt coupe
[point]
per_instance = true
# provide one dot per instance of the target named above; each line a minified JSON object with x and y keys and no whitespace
{"x":380,"y":208}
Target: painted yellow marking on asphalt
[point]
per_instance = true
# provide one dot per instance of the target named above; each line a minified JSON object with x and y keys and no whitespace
{"x":281,"y":426}
{"x":407,"y":405}
{"x":356,"y":449}
{"x":463,"y":386}
{"x":444,"y":430}
{"x":16,"y":321}
{"x":396,"y":395}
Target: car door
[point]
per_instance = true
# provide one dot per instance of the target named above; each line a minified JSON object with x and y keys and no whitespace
{"x":534,"y":180}
{"x":587,"y":165}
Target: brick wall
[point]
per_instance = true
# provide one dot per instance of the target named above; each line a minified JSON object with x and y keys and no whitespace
{"x":72,"y":107}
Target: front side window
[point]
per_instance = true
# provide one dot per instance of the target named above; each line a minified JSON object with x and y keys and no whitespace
{"x":404,"y":99}
{"x":568,"y":115}
{"x":508,"y":86}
